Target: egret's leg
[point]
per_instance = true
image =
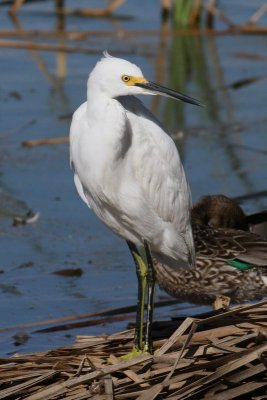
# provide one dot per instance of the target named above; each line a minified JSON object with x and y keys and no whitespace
{"x":141,"y":272}
{"x":151,"y":281}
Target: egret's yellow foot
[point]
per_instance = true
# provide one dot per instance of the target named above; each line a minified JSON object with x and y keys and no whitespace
{"x":135,"y":352}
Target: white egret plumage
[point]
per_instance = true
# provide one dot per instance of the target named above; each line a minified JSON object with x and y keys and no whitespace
{"x":127,"y":169}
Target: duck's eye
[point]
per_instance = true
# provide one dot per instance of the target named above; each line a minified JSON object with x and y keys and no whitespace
{"x":125,"y":78}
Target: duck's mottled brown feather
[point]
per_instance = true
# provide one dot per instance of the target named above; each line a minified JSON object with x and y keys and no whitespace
{"x":207,"y":280}
{"x":221,"y":233}
{"x":229,"y":244}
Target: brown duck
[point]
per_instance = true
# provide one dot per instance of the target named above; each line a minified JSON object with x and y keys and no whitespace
{"x":227,"y":249}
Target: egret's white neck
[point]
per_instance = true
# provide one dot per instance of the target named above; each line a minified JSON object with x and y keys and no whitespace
{"x":107,"y":119}
{"x":97,"y":99}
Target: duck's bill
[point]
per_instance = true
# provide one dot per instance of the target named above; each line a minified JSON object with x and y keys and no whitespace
{"x":154,"y":88}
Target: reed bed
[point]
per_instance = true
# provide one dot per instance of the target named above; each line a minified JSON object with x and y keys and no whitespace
{"x":223,"y":356}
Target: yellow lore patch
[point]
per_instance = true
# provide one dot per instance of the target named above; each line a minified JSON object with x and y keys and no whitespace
{"x":132,"y":80}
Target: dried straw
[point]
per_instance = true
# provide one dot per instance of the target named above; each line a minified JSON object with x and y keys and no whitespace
{"x":222,"y":357}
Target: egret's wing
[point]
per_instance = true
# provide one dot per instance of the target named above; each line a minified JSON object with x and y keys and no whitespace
{"x":80,"y":189}
{"x":157,"y":166}
{"x":74,"y":131}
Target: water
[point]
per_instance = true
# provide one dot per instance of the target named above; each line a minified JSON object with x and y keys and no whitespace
{"x":223,"y":147}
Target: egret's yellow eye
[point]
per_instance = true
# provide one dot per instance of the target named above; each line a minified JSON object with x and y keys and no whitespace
{"x":125,"y":78}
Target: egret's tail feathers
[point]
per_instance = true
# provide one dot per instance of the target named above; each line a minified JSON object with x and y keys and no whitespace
{"x":173,"y":263}
{"x":176,"y":251}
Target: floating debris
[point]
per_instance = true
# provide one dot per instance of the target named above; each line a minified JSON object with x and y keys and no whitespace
{"x":11,"y":289}
{"x":69,"y":272}
{"x":21,"y":338}
{"x":29,"y":218}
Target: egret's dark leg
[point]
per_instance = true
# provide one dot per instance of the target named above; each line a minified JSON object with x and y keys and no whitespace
{"x":141,"y":272}
{"x":151,"y":281}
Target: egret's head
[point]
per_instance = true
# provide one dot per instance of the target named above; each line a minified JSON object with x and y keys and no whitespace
{"x":117,"y":77}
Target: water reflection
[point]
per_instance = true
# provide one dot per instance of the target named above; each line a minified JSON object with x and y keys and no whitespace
{"x":185,"y":62}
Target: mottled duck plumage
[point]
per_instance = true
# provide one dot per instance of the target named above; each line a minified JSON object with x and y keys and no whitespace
{"x":227,"y":249}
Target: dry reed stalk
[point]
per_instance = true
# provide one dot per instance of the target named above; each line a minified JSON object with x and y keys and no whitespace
{"x":45,"y":141}
{"x":93,"y":12}
{"x":225,"y":360}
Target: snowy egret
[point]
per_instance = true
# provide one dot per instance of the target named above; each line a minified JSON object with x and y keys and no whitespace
{"x":127,"y":169}
{"x":227,"y":252}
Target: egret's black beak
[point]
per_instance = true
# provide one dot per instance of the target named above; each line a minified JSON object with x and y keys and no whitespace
{"x":158,"y":89}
